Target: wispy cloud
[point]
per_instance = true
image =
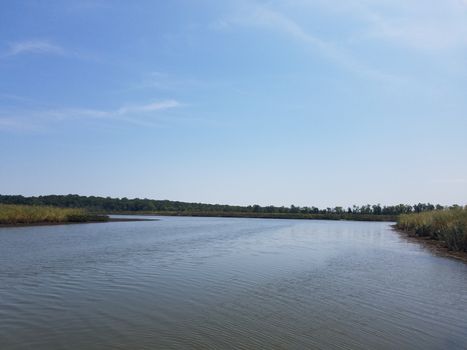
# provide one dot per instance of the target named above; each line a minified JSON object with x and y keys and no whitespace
{"x":47,"y":47}
{"x":433,"y":25}
{"x":151,"y":107}
{"x":264,"y":17}
{"x":172,"y":83}
{"x":140,"y":115}
{"x":429,"y":25}
{"x":34,"y":47}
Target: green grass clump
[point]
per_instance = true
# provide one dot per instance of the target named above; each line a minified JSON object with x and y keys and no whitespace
{"x":28,"y":214}
{"x":448,"y":225}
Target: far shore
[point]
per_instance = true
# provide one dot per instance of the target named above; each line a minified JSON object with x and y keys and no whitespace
{"x":249,"y":215}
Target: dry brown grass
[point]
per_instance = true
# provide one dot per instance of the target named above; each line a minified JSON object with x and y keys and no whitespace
{"x":449,"y":226}
{"x":26,"y":214}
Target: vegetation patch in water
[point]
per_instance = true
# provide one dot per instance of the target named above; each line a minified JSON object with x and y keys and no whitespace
{"x":29,"y":214}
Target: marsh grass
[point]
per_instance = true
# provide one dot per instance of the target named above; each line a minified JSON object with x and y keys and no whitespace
{"x":28,"y":214}
{"x":448,"y":225}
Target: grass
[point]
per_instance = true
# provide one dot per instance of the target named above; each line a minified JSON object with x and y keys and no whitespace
{"x":27,"y":214}
{"x":449,"y":226}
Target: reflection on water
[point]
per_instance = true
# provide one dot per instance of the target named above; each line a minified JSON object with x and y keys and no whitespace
{"x":210,"y":283}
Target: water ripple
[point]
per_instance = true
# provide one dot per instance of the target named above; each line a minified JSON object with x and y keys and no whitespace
{"x":210,"y":283}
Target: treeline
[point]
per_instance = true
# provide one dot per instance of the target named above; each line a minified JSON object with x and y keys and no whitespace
{"x":115,"y":205}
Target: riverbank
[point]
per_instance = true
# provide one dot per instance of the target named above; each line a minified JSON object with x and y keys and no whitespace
{"x":90,"y":221}
{"x":436,"y":247}
{"x":298,"y":216}
{"x":443,"y":231}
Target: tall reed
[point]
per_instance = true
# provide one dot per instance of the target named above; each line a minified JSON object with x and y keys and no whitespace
{"x":448,"y":225}
{"x":28,"y":214}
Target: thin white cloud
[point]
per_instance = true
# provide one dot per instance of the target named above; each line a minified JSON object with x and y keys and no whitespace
{"x":151,"y":107}
{"x":47,"y":47}
{"x":35,"y":47}
{"x":429,"y":25}
{"x":140,"y":115}
{"x":135,"y":110}
{"x":267,"y":18}
{"x":167,"y":82}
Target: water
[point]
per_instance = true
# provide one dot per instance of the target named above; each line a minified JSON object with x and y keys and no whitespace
{"x":215,"y":283}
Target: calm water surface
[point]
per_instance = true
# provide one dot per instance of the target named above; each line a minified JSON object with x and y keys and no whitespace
{"x":214,"y":283}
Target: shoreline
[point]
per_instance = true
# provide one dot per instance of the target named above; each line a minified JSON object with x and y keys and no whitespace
{"x":436,"y":247}
{"x":73,"y":222}
{"x":332,"y":217}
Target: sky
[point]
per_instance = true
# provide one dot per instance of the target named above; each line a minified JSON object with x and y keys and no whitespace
{"x":305,"y":102}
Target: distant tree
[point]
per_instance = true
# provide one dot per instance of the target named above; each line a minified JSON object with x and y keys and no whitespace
{"x":294,"y":209}
{"x":377,"y":210}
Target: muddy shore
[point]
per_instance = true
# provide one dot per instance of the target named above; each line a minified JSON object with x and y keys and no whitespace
{"x":436,"y":247}
{"x":75,"y":222}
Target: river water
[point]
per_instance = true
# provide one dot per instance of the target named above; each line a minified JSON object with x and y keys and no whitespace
{"x":218,"y":283}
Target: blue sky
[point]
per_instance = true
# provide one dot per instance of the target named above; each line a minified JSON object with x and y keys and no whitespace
{"x":306,"y":102}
